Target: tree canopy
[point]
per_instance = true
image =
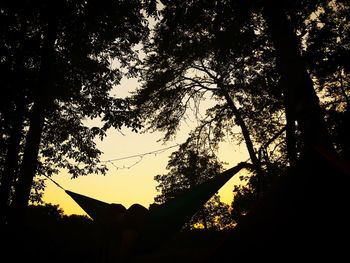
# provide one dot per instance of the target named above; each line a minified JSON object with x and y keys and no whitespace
{"x":188,"y":167}
{"x":276,"y":70}
{"x":71,"y":55}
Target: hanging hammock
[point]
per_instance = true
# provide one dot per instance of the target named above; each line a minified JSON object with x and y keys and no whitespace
{"x":164,"y":220}
{"x":100,"y":212}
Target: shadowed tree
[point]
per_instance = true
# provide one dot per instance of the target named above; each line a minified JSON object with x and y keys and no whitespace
{"x":18,"y":68}
{"x":74,"y":74}
{"x":224,"y":23}
{"x":186,"y":68}
{"x":302,"y":103}
{"x":327,"y":57}
{"x":293,"y":205}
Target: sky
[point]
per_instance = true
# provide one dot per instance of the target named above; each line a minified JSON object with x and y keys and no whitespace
{"x":128,"y":185}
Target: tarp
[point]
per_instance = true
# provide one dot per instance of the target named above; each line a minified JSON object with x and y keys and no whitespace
{"x":101,"y":212}
{"x":162,"y":221}
{"x":170,"y":217}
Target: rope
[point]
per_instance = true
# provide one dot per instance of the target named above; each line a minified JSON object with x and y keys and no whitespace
{"x":57,"y":184}
{"x":141,"y":154}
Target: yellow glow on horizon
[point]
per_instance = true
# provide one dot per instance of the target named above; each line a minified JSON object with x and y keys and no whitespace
{"x":134,"y":185}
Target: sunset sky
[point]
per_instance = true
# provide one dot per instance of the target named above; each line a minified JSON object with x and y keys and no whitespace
{"x":136,"y":184}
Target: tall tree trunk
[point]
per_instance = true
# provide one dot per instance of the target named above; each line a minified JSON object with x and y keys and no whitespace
{"x":291,"y":139}
{"x":11,"y":162}
{"x":43,"y":101}
{"x":245,"y":131}
{"x":298,"y":86}
{"x":249,"y":144}
{"x":30,"y":155}
{"x":16,"y":130}
{"x":290,"y":130}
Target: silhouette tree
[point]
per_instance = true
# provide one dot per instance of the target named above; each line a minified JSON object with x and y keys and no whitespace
{"x":215,"y":215}
{"x":327,"y":59}
{"x":229,"y":18}
{"x":73,"y":75}
{"x":189,"y":31}
{"x":194,"y":63}
{"x":17,"y":65}
{"x":188,"y":167}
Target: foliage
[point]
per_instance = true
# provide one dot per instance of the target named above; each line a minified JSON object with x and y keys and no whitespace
{"x":189,"y":167}
{"x":40,"y":214}
{"x":200,"y":51}
{"x":327,"y":54}
{"x":204,"y":59}
{"x":215,"y":215}
{"x":65,"y":57}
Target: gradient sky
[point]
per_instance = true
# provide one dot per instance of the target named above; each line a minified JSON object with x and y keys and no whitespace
{"x":136,"y":184}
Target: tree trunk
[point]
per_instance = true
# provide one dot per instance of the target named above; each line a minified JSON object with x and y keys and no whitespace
{"x":291,"y":141}
{"x":290,"y":132}
{"x":258,"y":182}
{"x":16,"y":130}
{"x":42,"y":102}
{"x":298,"y":86}
{"x":11,"y":163}
{"x":292,"y":215}
{"x":245,"y":131}
{"x":30,"y":155}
